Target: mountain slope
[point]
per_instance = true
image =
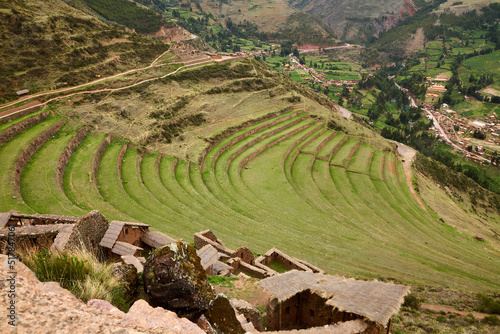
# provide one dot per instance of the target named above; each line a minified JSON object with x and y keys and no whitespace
{"x":353,"y":19}
{"x":45,"y":44}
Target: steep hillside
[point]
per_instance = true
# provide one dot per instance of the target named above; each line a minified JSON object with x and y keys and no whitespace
{"x":48,"y":44}
{"x":258,"y":159}
{"x":459,"y":7}
{"x":358,"y":19}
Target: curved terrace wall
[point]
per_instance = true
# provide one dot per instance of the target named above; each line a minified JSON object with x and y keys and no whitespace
{"x":68,"y":152}
{"x":98,"y":157}
{"x":34,"y":146}
{"x":213,"y":141}
{"x":16,"y":129}
{"x":288,"y":135}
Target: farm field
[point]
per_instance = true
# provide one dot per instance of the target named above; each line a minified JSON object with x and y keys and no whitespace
{"x":335,"y":199}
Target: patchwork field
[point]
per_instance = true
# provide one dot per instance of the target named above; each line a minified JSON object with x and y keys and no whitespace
{"x":337,"y":200}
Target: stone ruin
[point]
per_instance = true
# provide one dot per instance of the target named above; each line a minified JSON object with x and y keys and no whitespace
{"x":166,"y":273}
{"x":60,"y":233}
{"x":214,"y":255}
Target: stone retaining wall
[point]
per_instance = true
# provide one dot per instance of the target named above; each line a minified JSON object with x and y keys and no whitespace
{"x":98,"y":156}
{"x":260,"y":138}
{"x":18,"y":114}
{"x":320,"y":146}
{"x":352,"y":153}
{"x":88,"y":232}
{"x":249,"y":133}
{"x":297,"y":142}
{"x":16,"y":129}
{"x":233,"y":129}
{"x":68,"y":152}
{"x":34,"y":146}
{"x":336,"y":148}
{"x":259,"y":151}
{"x":119,"y":163}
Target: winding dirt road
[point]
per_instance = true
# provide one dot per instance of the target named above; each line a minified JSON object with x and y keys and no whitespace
{"x":62,"y":90}
{"x":408,"y":155}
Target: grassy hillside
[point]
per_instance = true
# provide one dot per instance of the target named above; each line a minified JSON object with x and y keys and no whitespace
{"x":49,"y":44}
{"x":307,"y":181}
{"x":358,"y":20}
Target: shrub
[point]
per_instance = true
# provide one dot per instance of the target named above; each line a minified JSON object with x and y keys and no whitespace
{"x":492,"y":320}
{"x":78,"y":271}
{"x":488,"y":305}
{"x":441,"y":318}
{"x":411,"y":301}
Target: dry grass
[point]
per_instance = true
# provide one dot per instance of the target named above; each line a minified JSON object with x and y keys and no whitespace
{"x":78,"y":270}
{"x":466,"y":6}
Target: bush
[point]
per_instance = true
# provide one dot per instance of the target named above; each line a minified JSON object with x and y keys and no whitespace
{"x":411,"y":301}
{"x":488,"y":305}
{"x":80,"y":272}
{"x":492,"y":320}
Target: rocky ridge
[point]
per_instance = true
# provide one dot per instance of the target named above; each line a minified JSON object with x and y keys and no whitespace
{"x":48,"y":308}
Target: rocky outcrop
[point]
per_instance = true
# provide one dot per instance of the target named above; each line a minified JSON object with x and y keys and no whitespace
{"x":222,"y":316}
{"x":174,"y":279}
{"x":249,"y":311}
{"x":158,"y":319}
{"x":48,"y":308}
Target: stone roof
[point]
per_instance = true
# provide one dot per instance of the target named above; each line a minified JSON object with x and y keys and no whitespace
{"x":34,"y":230}
{"x":22,"y":92}
{"x":114,"y":229}
{"x":4,"y":218}
{"x":131,"y":223}
{"x":122,"y":248}
{"x":218,"y":266}
{"x":156,"y":239}
{"x":208,"y":255}
{"x":374,"y":300}
{"x":63,"y":236}
{"x":130,"y":259}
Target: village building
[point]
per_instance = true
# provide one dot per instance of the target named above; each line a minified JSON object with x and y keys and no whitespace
{"x":275,"y":255}
{"x":59,"y":233}
{"x":442,"y":78}
{"x":210,"y":261}
{"x":22,"y":92}
{"x":479,"y":124}
{"x":303,"y":300}
{"x":128,"y":238}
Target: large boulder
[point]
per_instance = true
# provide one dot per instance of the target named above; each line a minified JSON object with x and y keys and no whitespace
{"x":222,"y":315}
{"x":158,"y":320}
{"x":249,"y":311}
{"x":175,"y":280}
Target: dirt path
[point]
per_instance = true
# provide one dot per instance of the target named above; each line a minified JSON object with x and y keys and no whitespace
{"x":88,"y":83}
{"x":22,"y":108}
{"x":111,"y":90}
{"x":408,"y":155}
{"x":344,"y":112}
{"x":449,"y":309}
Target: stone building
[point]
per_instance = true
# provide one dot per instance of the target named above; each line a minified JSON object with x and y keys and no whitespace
{"x":128,"y":238}
{"x":303,"y":300}
{"x":59,"y":233}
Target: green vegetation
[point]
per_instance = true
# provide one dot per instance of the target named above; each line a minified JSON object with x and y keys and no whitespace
{"x":57,"y":46}
{"x":79,"y":272}
{"x":488,"y":305}
{"x":278,"y":267}
{"x":129,"y":14}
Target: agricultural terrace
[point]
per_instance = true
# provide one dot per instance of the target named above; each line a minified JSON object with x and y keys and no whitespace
{"x":337,"y":200}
